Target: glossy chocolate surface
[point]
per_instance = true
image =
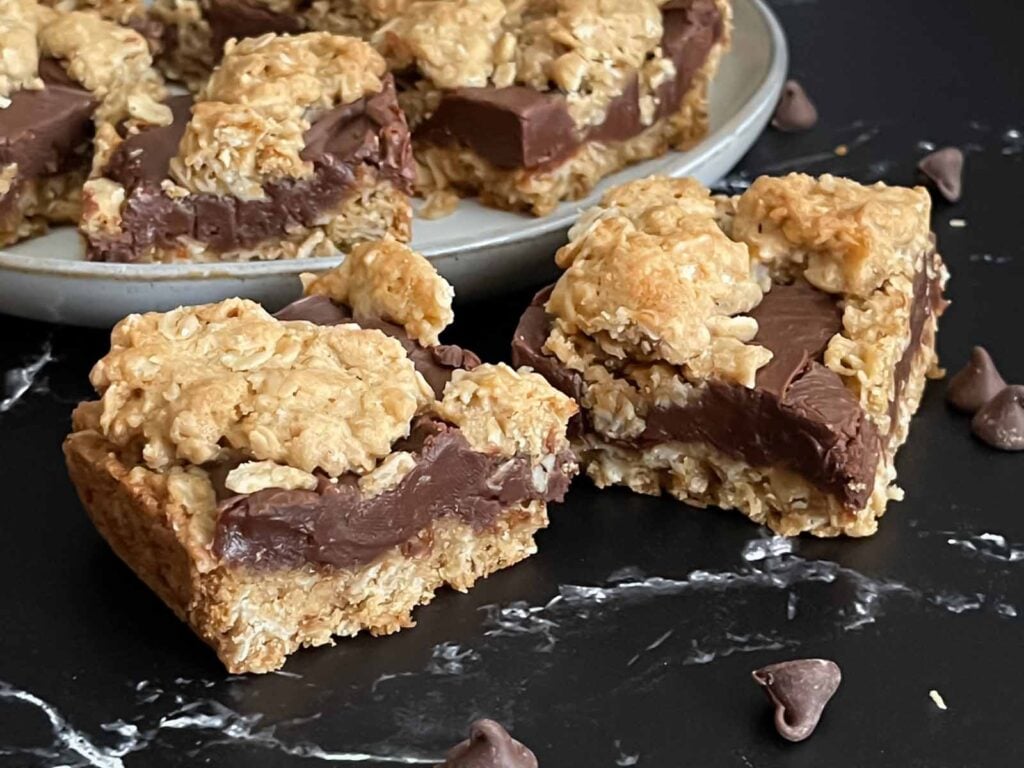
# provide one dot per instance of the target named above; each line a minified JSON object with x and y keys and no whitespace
{"x":337,"y":525}
{"x":46,"y":131}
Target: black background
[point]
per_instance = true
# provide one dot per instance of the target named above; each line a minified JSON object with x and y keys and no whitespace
{"x":83,"y":635}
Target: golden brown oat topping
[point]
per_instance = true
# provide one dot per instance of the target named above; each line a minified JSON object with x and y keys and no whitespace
{"x":588,"y":49}
{"x":849,"y":238}
{"x":387,"y":280}
{"x":117,"y":10}
{"x":252,"y":476}
{"x":450,"y":41}
{"x":111,"y":61}
{"x":315,"y":69}
{"x":876,"y":332}
{"x":651,"y":277}
{"x":234,"y":148}
{"x":340,"y":17}
{"x":501,"y":410}
{"x":19,"y":49}
{"x":188,"y":385}
{"x":8,"y":173}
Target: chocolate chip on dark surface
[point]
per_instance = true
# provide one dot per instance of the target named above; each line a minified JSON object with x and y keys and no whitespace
{"x":1000,"y":422}
{"x":976,"y":383}
{"x":799,"y":689}
{"x":944,"y":168}
{"x":795,"y":111}
{"x":489,"y":746}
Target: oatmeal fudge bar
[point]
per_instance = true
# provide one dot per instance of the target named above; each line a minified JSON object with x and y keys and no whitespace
{"x":281,"y":480}
{"x":546,"y":97}
{"x":295,"y":147}
{"x":195,"y":31}
{"x":763,"y":352}
{"x":58,"y":73}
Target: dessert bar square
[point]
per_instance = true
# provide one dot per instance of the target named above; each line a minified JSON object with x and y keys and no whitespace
{"x":295,"y":147}
{"x":763,"y":352}
{"x":278,"y":481}
{"x":549,"y":96}
{"x":58,"y":73}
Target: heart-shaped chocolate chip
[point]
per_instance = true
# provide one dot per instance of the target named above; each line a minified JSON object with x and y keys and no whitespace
{"x":799,"y":689}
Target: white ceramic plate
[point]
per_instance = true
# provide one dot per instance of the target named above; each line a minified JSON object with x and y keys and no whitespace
{"x":479,"y":250}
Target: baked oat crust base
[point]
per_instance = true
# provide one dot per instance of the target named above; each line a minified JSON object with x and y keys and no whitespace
{"x":40,"y":202}
{"x":254,"y":619}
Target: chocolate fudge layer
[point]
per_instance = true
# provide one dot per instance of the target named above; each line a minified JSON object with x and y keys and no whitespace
{"x":238,"y":19}
{"x":520,"y":127}
{"x":345,"y":144}
{"x":337,"y":525}
{"x":928,"y":302}
{"x":47,"y":131}
{"x":799,"y":415}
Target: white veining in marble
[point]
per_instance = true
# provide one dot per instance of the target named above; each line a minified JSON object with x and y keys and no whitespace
{"x":1013,"y":142}
{"x":988,"y":258}
{"x":451,"y":659}
{"x":770,"y":564}
{"x":773,"y":546}
{"x":70,"y":747}
{"x":737,"y":643}
{"x":73,"y":748}
{"x":988,"y":546}
{"x":20,"y":381}
{"x":625,"y":758}
{"x":791,"y":605}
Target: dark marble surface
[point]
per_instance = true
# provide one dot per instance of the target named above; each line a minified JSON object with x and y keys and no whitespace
{"x":629,"y":639}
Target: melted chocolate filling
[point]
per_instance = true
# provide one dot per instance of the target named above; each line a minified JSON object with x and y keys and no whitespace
{"x":239,"y":19}
{"x":519,"y":127}
{"x":799,"y":415}
{"x":345,"y":144}
{"x":928,"y":301}
{"x":336,"y":525}
{"x":47,"y":131}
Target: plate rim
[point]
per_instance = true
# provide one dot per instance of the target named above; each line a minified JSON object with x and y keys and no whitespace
{"x":772,"y":80}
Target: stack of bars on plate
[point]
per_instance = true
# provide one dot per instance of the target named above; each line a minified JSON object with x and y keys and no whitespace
{"x":525,"y":103}
{"x":309,"y":125}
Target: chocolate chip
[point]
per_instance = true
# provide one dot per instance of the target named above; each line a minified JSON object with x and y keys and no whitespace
{"x":489,"y":746}
{"x":974,"y":384}
{"x":944,"y":168}
{"x":799,"y":689}
{"x":1000,"y":423}
{"x":795,"y":111}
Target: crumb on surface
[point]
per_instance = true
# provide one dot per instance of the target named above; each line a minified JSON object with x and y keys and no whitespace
{"x":936,"y":697}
